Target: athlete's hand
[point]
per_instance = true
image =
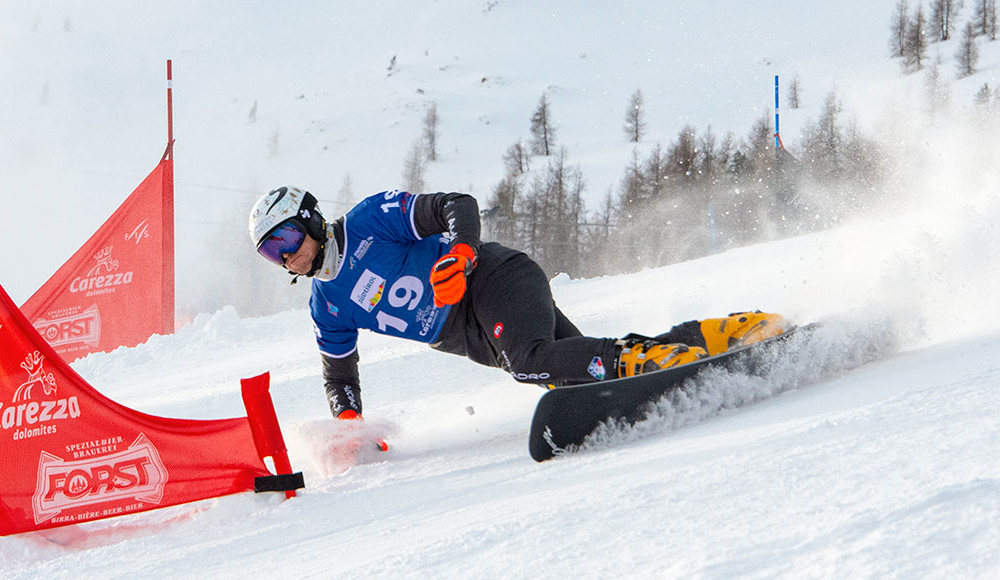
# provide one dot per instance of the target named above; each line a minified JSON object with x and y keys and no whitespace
{"x":448,"y":276}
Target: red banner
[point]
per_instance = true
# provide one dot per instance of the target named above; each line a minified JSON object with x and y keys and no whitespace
{"x":118,"y":289}
{"x":70,"y":455}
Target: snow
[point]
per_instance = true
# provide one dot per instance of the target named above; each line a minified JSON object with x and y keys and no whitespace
{"x":883,"y":470}
{"x":886,"y":470}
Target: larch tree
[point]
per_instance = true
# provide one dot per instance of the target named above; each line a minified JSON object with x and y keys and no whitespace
{"x":431,"y":132}
{"x":635,"y":121}
{"x":543,"y":132}
{"x":967,"y":57}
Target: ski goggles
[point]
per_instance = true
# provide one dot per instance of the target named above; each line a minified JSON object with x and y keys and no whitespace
{"x":284,"y":240}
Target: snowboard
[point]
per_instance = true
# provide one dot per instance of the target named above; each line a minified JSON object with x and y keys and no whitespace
{"x":565,"y":416}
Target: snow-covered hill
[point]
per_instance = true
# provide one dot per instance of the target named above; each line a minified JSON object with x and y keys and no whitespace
{"x":303,"y":94}
{"x":888,"y":470}
{"x":884,"y":471}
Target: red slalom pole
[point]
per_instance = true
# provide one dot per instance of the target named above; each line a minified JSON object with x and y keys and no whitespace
{"x":168,"y":154}
{"x":168,"y":314}
{"x":264,"y":424}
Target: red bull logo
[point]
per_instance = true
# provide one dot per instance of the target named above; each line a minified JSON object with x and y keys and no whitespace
{"x":109,"y":484}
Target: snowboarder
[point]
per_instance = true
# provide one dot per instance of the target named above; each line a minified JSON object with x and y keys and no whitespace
{"x":413,"y":266}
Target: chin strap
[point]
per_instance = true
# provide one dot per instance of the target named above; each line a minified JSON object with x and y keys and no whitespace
{"x":316,"y":265}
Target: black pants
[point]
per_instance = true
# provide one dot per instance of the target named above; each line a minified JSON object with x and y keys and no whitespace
{"x":508,"y":319}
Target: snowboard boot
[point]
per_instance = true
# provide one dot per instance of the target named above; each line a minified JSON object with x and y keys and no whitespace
{"x":740,"y":329}
{"x":637,"y":357}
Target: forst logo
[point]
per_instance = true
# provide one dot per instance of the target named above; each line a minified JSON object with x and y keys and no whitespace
{"x":84,"y":327}
{"x":134,"y":475}
{"x":98,"y":479}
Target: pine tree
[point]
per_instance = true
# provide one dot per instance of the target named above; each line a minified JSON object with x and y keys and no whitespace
{"x":983,"y":95}
{"x":635,"y":123}
{"x":654,"y":174}
{"x":936,"y":90}
{"x":967,"y":57}
{"x":991,"y":19}
{"x":981,"y":17}
{"x":633,"y":188}
{"x":863,"y":163}
{"x":759,"y":149}
{"x":915,"y":50}
{"x":681,"y":156}
{"x":501,"y":225}
{"x":951,"y":8}
{"x":431,"y":132}
{"x":632,"y":214}
{"x":823,"y":142}
{"x":600,"y":238}
{"x":942,"y":20}
{"x":935,"y":24}
{"x":542,"y":132}
{"x":515,"y":160}
{"x":795,"y":93}
{"x":897,"y":29}
{"x":707,"y":163}
{"x":413,"y":169}
{"x":725,"y":154}
{"x":555,"y":201}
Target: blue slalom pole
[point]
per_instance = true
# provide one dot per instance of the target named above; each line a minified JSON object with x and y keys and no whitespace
{"x":777,"y":133}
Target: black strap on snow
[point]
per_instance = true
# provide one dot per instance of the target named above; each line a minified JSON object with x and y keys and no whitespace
{"x":286,"y":482}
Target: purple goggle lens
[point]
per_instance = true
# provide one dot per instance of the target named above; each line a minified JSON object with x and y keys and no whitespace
{"x":285,"y":240}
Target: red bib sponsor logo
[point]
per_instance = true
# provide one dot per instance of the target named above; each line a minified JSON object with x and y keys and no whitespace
{"x":368,"y":291}
{"x":498,"y":330}
{"x":120,"y":479}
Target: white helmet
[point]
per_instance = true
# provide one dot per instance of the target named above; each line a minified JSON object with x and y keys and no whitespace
{"x":287,"y":205}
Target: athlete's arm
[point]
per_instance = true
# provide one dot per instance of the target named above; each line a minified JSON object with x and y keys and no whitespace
{"x":343,"y":385}
{"x":455,"y":213}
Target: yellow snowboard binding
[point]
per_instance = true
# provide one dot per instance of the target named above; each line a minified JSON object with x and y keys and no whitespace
{"x":639,"y":357}
{"x":740,"y":329}
{"x":696,"y":339}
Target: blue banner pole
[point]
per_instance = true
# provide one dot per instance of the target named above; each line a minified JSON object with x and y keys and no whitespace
{"x":777,"y":133}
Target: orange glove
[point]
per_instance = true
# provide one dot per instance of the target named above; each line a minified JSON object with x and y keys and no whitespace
{"x":449,"y":273}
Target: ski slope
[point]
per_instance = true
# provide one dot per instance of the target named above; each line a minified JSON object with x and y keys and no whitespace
{"x":886,"y":470}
